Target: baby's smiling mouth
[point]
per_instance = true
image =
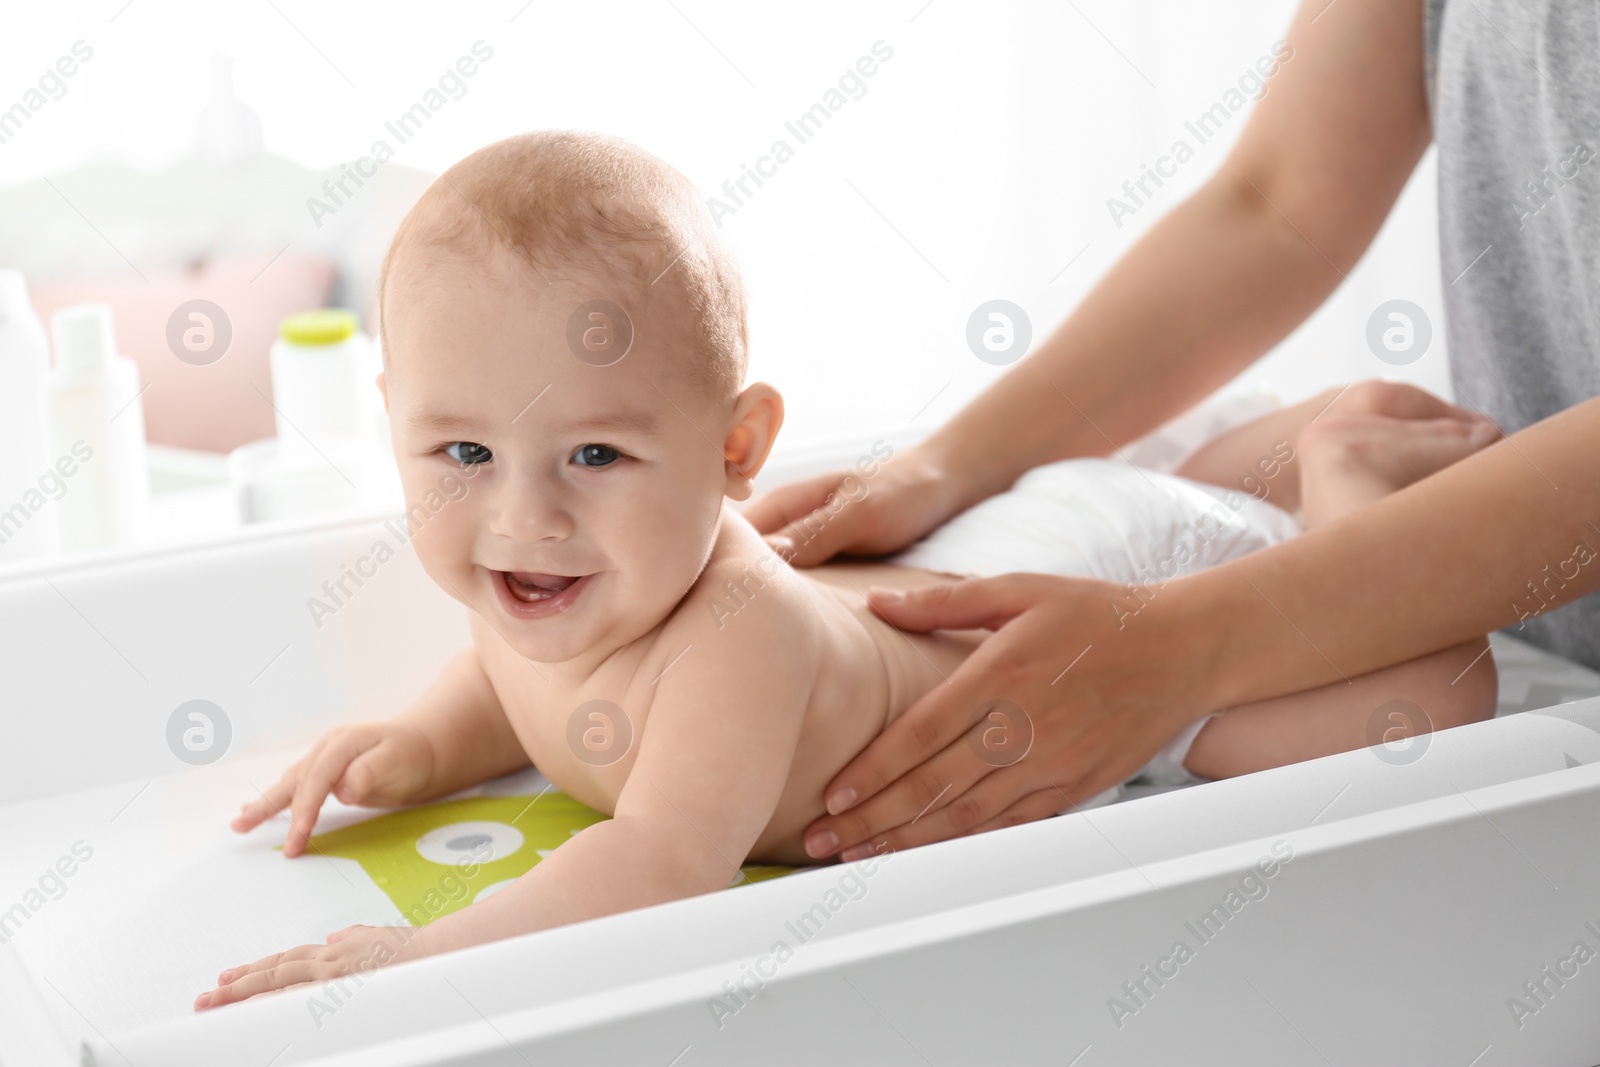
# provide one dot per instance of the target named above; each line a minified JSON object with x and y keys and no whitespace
{"x":530,"y":595}
{"x":533,"y":586}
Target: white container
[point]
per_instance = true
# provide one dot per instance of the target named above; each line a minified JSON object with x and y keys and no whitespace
{"x":272,"y":483}
{"x":332,"y":452}
{"x":29,"y":483}
{"x":319,"y":381}
{"x":94,"y":414}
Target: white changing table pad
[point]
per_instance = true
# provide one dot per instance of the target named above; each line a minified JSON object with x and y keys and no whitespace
{"x":171,"y":896}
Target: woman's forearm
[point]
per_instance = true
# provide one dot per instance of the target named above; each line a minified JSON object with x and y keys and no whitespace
{"x":1233,"y":269}
{"x":1509,"y":532}
{"x":1233,"y":281}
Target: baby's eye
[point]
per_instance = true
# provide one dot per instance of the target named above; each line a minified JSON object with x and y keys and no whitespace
{"x":596,"y":456}
{"x":467,"y":453}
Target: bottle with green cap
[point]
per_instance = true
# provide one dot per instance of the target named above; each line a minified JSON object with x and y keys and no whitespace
{"x":329,"y":455}
{"x":317,"y":386}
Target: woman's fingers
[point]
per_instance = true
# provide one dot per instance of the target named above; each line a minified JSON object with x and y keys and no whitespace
{"x":876,"y":507}
{"x":772,"y":511}
{"x":818,"y":537}
{"x":1027,"y":706}
{"x":923,"y":790}
{"x":1006,"y":797}
{"x":840,"y":520}
{"x":970,"y":604}
{"x":962,"y":814}
{"x":808,"y":521}
{"x":1035,"y":806}
{"x":939,"y":718}
{"x":943,"y":714}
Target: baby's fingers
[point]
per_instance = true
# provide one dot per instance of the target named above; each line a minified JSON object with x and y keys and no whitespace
{"x":278,"y":971}
{"x":339,"y":935}
{"x":378,"y":776}
{"x":253,"y":813}
{"x":315,"y":785}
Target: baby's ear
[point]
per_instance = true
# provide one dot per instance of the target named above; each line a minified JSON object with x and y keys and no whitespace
{"x":383,"y":389}
{"x":757,"y":415}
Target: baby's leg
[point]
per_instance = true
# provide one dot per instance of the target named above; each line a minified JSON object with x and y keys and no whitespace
{"x":1344,"y":463}
{"x":1451,"y":688}
{"x":1262,"y":457}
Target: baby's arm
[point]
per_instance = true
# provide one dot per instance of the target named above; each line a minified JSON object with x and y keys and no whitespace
{"x":466,"y":727}
{"x":714,"y":756}
{"x":453,"y":736}
{"x":715,"y":753}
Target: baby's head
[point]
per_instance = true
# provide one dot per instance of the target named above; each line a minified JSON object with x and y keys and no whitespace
{"x":564,"y":349}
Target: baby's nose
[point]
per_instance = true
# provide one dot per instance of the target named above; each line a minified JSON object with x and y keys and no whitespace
{"x":529,"y":513}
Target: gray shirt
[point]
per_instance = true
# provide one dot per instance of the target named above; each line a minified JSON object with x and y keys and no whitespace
{"x":1514,"y":90}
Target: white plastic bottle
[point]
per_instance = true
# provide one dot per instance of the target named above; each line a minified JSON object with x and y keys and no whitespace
{"x":94,"y":414}
{"x":328,"y":455}
{"x":27,"y":488}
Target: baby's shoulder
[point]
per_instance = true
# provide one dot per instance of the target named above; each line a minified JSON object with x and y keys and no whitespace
{"x":747,"y":603}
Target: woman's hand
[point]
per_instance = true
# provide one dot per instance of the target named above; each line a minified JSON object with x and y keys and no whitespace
{"x":353,"y":950}
{"x":374,"y":764}
{"x":872,"y":510}
{"x":1094,"y":692}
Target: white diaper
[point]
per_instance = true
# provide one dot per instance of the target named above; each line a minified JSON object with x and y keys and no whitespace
{"x":1106,"y":519}
{"x":1102,"y":518}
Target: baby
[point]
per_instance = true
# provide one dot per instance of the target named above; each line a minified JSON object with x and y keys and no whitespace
{"x":564,"y":332}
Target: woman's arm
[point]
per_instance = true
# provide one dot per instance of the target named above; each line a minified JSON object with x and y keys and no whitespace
{"x":1209,"y":289}
{"x":1468,"y":550}
{"x":1231,"y":271}
{"x":1485,"y":543}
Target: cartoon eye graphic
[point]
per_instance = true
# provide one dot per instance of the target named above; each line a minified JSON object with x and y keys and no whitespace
{"x":462,"y":843}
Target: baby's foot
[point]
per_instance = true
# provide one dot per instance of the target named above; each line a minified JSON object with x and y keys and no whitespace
{"x":1348,"y":461}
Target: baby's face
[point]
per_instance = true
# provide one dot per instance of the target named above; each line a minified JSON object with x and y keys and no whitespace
{"x":570,"y":504}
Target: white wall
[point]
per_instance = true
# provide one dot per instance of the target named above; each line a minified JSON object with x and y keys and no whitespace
{"x":976,"y":165}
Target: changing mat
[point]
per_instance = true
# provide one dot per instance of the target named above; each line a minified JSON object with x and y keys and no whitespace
{"x":438,"y":858}
{"x":163,"y":896}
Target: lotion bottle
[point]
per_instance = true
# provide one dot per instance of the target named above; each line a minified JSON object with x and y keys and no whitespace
{"x":94,"y":415}
{"x":27,"y":488}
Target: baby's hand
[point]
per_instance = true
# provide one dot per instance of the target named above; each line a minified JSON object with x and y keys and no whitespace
{"x":379,"y":765}
{"x":354,"y":950}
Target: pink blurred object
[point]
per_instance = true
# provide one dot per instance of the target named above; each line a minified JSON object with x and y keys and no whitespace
{"x":211,"y":406}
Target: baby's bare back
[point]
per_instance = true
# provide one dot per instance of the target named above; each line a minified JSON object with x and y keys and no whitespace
{"x":874,"y":674}
{"x":585,"y":733}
